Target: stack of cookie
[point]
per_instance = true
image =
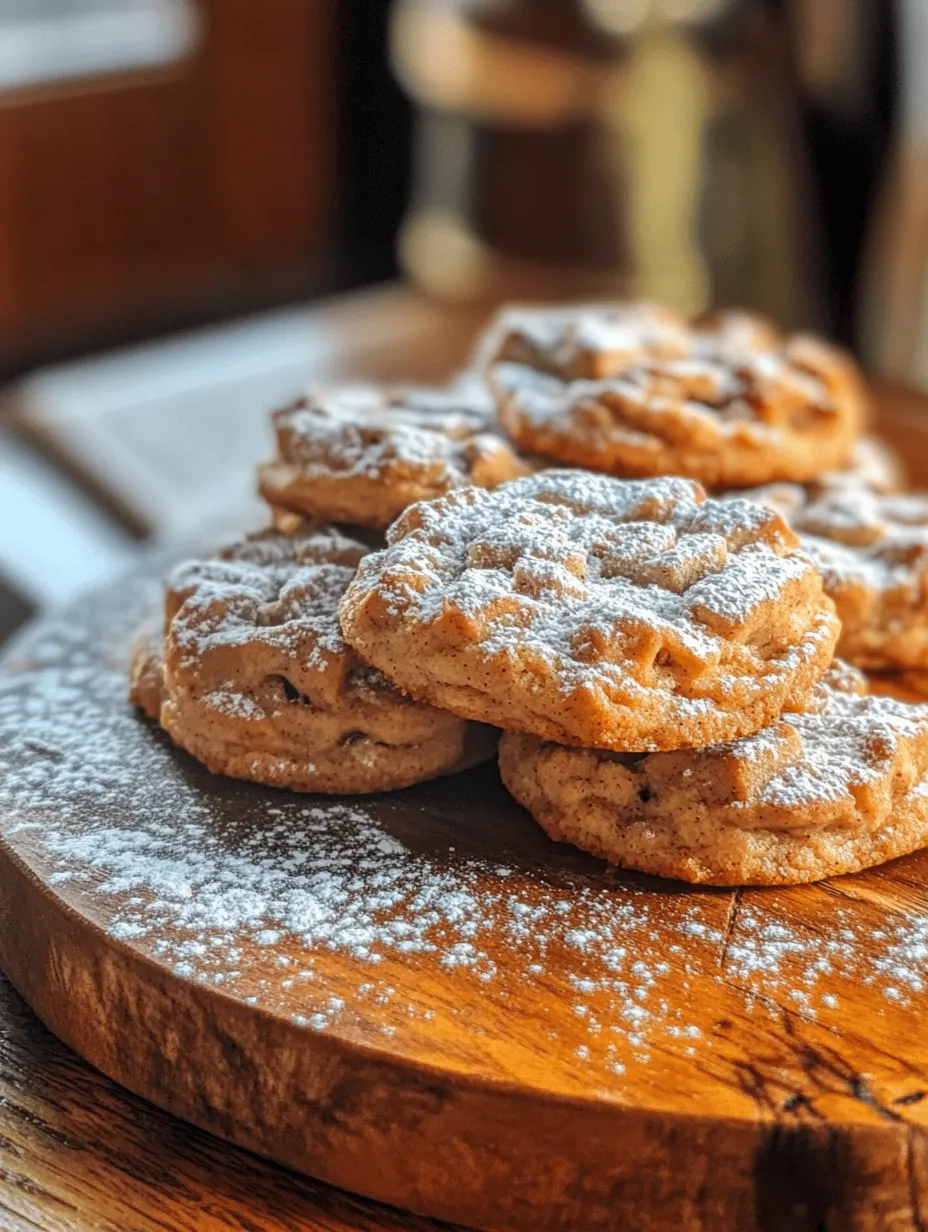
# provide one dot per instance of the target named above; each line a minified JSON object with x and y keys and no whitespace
{"x":250,"y":672}
{"x":661,"y":662}
{"x":634,"y":390}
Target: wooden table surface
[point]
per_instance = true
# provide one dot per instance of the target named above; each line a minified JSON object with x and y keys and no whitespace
{"x":77,"y":1153}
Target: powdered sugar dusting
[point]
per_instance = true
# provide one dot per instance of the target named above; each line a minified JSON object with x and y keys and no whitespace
{"x":857,"y":535}
{"x":847,"y":742}
{"x":733,"y":377}
{"x":564,"y":337}
{"x":358,"y":429}
{"x":272,"y":593}
{"x":326,"y":908}
{"x":294,"y":608}
{"x":592,"y":583}
{"x":615,"y":542}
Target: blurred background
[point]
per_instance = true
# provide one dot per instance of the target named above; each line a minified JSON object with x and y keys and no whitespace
{"x":206,"y":203}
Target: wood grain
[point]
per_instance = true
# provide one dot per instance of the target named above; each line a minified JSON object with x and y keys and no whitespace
{"x":492,"y":1103}
{"x":77,"y":1152}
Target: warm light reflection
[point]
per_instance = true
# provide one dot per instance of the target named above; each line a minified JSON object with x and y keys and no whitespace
{"x":624,"y":17}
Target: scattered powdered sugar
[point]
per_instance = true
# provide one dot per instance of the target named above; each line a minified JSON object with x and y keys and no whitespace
{"x":773,"y":953}
{"x":257,"y":892}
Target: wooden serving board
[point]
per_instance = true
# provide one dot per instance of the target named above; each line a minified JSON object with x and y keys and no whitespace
{"x":420,"y":998}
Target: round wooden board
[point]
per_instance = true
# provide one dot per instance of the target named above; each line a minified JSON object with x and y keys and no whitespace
{"x":420,"y":998}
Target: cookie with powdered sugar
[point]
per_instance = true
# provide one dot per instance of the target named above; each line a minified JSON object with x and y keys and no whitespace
{"x":834,"y":790}
{"x":872,"y":551}
{"x":637,"y":390}
{"x":146,"y":670}
{"x":361,"y":454}
{"x":596,"y":612}
{"x":874,"y":464}
{"x":259,"y":684}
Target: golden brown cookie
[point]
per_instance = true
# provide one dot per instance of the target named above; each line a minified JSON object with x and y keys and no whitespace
{"x":632,"y":389}
{"x":362,"y":455}
{"x":259,"y":684}
{"x":837,"y":789}
{"x":872,"y":552}
{"x":146,"y":671}
{"x":627,"y":615}
{"x":874,"y":465}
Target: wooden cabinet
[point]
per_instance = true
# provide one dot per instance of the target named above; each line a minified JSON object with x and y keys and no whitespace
{"x":144,"y":201}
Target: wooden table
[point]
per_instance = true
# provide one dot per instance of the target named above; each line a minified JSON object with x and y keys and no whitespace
{"x":78,"y":1153}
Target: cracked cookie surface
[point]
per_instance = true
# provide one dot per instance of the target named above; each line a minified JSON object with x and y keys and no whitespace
{"x":362,"y":455}
{"x":836,"y":789}
{"x":259,"y":684}
{"x":872,"y":551}
{"x":629,"y":615}
{"x":636,"y":390}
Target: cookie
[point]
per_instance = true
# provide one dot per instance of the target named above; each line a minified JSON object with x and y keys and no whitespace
{"x":290,"y":523}
{"x":836,"y":789}
{"x":146,"y":671}
{"x":259,"y":684}
{"x":362,"y":455}
{"x":626,"y":615}
{"x":636,"y":390}
{"x":872,"y":552}
{"x":874,"y":465}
